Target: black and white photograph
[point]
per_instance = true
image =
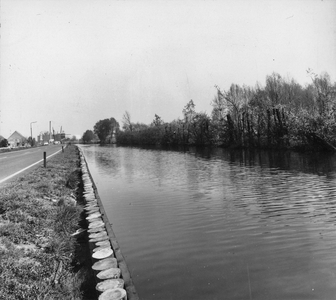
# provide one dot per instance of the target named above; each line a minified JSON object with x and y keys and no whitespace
{"x":165,"y":149}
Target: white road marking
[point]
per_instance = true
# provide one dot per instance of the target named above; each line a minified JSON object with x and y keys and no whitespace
{"x":24,"y":169}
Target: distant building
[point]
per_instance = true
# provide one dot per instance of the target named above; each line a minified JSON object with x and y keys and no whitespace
{"x":16,"y":139}
{"x":1,"y":138}
{"x":43,"y":137}
{"x":50,"y":138}
{"x":59,"y":136}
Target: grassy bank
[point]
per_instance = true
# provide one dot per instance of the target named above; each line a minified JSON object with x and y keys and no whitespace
{"x":39,"y":258}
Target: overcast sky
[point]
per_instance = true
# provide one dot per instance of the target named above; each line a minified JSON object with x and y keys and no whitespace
{"x":75,"y":62}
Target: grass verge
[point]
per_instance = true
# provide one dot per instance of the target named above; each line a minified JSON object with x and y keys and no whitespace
{"x":39,"y":259}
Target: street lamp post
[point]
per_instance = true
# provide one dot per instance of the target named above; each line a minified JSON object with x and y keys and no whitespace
{"x":31,"y":132}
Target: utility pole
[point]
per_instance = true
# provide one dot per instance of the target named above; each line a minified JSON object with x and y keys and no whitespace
{"x":31,"y":132}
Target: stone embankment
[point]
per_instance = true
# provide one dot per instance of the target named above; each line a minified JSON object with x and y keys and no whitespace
{"x":109,"y":266}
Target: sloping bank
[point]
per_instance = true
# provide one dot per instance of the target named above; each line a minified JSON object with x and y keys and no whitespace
{"x":40,"y":256}
{"x":111,"y":273}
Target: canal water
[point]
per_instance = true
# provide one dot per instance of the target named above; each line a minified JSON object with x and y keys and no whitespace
{"x":213,"y":224}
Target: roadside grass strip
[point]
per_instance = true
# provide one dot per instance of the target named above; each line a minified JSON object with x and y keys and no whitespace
{"x":43,"y":254}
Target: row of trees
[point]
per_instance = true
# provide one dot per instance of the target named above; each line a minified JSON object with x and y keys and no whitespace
{"x":103,"y":131}
{"x":281,"y":114}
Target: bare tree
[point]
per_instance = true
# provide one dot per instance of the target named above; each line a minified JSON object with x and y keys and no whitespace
{"x":127,"y":124}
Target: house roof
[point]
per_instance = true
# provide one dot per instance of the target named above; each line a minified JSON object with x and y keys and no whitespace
{"x":16,"y":135}
{"x":1,"y":138}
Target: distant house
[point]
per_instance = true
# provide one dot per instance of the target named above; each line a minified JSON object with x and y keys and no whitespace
{"x":1,"y":138}
{"x":16,"y":139}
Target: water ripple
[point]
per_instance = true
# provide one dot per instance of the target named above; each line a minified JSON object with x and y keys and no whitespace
{"x":200,"y":225}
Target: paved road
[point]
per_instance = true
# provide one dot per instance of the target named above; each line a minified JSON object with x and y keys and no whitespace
{"x":14,"y":161}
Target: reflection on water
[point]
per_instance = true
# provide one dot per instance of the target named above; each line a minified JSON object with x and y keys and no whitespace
{"x":214,"y":224}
